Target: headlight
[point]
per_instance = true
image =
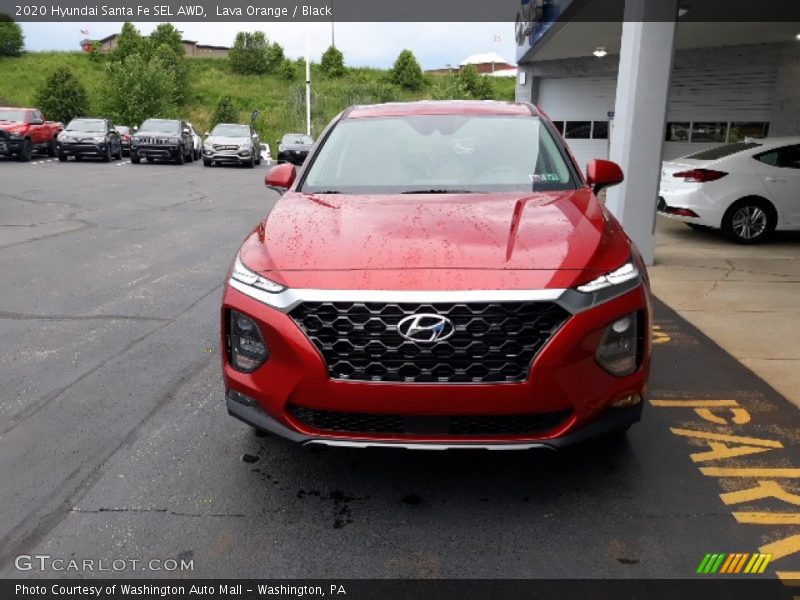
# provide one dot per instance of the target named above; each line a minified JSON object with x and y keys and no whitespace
{"x":625,"y":273}
{"x":244,"y":275}
{"x":65,"y":138}
{"x":14,"y":136}
{"x":99,"y":139}
{"x":619,"y":352}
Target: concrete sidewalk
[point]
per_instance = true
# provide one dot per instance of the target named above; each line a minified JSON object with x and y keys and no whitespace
{"x":746,"y":298}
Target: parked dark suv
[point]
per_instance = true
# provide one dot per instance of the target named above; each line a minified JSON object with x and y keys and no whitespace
{"x":164,"y":139}
{"x":294,"y":148}
{"x":89,"y":137}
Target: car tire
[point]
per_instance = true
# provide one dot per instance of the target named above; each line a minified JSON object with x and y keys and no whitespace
{"x":119,"y":154}
{"x":52,"y":152}
{"x":698,"y":226}
{"x":207,"y":163}
{"x":26,"y":151}
{"x":258,"y":159}
{"x":181,"y":157}
{"x":62,"y":157}
{"x":250,"y":163}
{"x":107,"y":156}
{"x":135,"y":160}
{"x":190,"y":156}
{"x":749,"y":221}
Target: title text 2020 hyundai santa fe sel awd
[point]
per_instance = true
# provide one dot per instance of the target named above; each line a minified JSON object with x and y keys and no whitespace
{"x":438,"y":275}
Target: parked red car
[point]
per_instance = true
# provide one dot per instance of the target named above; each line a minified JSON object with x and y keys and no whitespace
{"x":24,"y":130}
{"x":438,"y":275}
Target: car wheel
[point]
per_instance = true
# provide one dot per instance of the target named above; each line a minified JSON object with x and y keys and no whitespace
{"x":698,"y":226}
{"x":258,"y":159}
{"x":51,"y":149}
{"x":62,"y":157}
{"x":135,"y":159}
{"x":190,"y":156}
{"x":26,"y":151}
{"x":107,"y":156}
{"x":206,"y":162}
{"x":749,"y":221}
{"x":119,"y":153}
{"x":181,"y":157}
{"x":250,"y":163}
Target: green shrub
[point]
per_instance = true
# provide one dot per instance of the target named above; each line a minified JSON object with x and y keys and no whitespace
{"x":288,"y":70}
{"x":225,"y":112}
{"x":63,"y":97}
{"x":406,"y":71}
{"x":332,"y":63}
{"x":252,"y":54}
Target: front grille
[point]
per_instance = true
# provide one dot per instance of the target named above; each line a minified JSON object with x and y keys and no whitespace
{"x":155,"y":141}
{"x":225,"y":147}
{"x":492,"y":341}
{"x":459,"y":425}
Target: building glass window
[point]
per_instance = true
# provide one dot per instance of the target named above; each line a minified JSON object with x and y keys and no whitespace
{"x":709,"y":132}
{"x":678,"y":132}
{"x":600,"y":130}
{"x":739,"y":131}
{"x":580,"y":130}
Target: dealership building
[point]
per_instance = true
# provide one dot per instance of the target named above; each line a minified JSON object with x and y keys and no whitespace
{"x":653,"y":87}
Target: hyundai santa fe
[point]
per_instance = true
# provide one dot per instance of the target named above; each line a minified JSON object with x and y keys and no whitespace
{"x":438,"y":275}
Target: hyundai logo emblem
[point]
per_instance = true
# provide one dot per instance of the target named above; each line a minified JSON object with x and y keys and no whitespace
{"x":426,"y":328}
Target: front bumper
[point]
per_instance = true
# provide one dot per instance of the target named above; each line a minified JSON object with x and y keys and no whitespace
{"x":234,"y":157}
{"x":165,"y":152}
{"x":611,"y":421}
{"x":10,"y":146}
{"x":296,"y":158}
{"x":82,"y":148}
{"x":564,"y":378}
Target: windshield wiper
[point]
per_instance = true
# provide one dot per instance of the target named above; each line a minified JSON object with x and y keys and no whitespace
{"x":439,"y":191}
{"x":326,"y":192}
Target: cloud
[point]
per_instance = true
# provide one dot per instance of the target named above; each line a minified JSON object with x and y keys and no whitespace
{"x":363,"y":44}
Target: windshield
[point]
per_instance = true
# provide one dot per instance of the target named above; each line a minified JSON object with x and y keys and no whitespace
{"x":297,"y":139}
{"x":12,"y":115}
{"x":439,"y":154}
{"x":227,"y":130}
{"x":122,"y":130}
{"x":86,"y":125}
{"x":161,"y":125}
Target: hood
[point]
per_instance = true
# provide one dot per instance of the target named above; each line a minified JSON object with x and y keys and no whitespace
{"x":511,"y":233}
{"x":12,"y":126}
{"x":226,"y":140}
{"x":296,"y":147}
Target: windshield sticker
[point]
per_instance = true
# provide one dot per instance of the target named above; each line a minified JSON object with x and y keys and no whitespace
{"x":540,"y":177}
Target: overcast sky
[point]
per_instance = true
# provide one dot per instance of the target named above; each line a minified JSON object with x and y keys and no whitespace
{"x":363,"y":44}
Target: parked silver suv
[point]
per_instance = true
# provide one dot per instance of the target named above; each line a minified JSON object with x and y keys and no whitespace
{"x":232,"y":143}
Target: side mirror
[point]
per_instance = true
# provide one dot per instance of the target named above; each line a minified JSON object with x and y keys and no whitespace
{"x":254,"y":136}
{"x":603,"y":173}
{"x":187,"y":131}
{"x":206,"y":134}
{"x":281,"y":178}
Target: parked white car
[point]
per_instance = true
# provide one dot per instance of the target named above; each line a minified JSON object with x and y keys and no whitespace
{"x":747,"y":189}
{"x":197,"y":142}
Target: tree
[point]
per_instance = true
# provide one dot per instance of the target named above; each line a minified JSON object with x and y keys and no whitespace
{"x":249,"y":53}
{"x":137,"y":89}
{"x":288,"y":70}
{"x":130,"y":42}
{"x":12,"y":40}
{"x":406,"y":71}
{"x":166,"y":34}
{"x":475,"y":85}
{"x":275,"y":57}
{"x":63,"y":97}
{"x":225,"y":112}
{"x":333,"y":62}
{"x":176,"y":66}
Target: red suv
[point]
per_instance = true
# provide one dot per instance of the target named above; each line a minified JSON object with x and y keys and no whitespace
{"x":438,"y":275}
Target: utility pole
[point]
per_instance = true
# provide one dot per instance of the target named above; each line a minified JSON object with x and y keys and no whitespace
{"x":333,"y":18}
{"x":308,"y":81}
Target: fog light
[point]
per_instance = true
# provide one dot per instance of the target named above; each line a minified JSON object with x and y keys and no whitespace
{"x":618,"y":353}
{"x":627,"y":401}
{"x":240,"y":398}
{"x":246,"y":348}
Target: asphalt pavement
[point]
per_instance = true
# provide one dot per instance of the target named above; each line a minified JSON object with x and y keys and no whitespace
{"x":115,"y":443}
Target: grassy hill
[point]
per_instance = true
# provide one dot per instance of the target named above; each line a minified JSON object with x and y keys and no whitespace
{"x":280,"y":101}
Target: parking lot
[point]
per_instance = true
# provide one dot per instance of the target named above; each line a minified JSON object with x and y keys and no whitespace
{"x":114,"y":434}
